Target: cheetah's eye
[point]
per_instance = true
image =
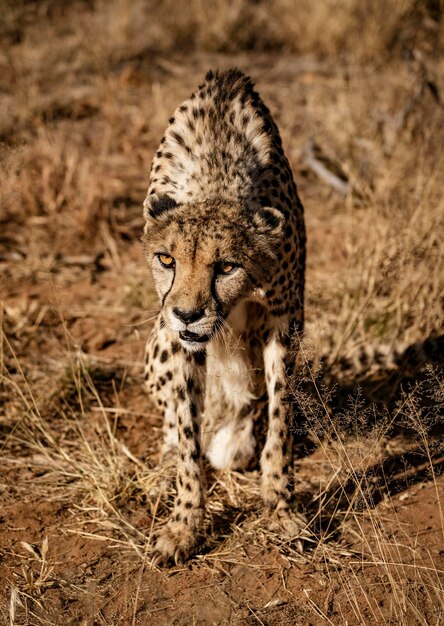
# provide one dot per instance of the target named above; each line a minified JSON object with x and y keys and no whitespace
{"x":226,"y":268}
{"x":166,"y":260}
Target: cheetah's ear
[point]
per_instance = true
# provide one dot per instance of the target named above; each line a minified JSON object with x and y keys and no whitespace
{"x":156,"y":205}
{"x":269,"y":221}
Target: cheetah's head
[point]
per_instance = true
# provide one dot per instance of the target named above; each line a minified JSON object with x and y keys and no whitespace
{"x":205,"y":258}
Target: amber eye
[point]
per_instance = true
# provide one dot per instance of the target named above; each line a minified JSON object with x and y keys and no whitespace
{"x":226,"y":268}
{"x":166,"y":260}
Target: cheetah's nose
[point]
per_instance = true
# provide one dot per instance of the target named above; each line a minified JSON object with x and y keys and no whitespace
{"x":190,"y":316}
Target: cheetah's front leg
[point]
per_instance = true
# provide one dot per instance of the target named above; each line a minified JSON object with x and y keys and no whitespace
{"x":277,"y":455}
{"x":178,"y":538}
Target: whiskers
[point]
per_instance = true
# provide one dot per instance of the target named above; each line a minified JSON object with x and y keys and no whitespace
{"x":156,"y":327}
{"x":147,"y":320}
{"x":223,"y":331}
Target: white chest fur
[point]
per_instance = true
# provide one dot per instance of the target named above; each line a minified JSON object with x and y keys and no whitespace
{"x":229,"y":372}
{"x":229,"y":390}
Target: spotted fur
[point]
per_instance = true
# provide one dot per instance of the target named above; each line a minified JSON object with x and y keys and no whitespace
{"x":225,"y":240}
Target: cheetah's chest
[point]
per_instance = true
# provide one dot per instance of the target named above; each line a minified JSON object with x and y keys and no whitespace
{"x":230,"y":375}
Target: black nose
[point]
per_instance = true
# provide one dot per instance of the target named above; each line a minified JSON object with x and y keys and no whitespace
{"x":188,"y":316}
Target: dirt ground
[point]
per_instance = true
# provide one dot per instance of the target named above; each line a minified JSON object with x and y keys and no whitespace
{"x":83,"y":103}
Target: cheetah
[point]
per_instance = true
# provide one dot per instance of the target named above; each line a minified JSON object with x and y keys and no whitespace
{"x":225,"y":240}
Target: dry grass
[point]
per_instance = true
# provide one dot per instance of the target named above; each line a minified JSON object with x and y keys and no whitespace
{"x":128,"y":28}
{"x":87,"y":92}
{"x":346,"y":490}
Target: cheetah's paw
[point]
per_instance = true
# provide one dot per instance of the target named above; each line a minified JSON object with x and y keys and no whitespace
{"x":174,"y":543}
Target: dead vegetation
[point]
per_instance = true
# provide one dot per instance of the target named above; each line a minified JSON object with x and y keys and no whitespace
{"x":87,"y":88}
